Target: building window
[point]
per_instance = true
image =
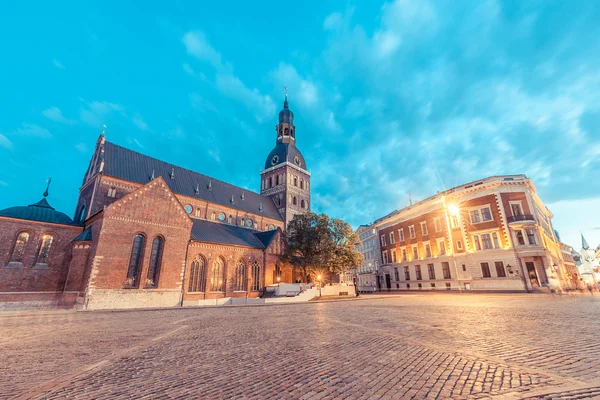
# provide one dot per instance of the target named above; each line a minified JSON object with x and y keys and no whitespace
{"x":216,"y":275}
{"x":516,"y":210}
{"x":480,"y":215}
{"x":474,"y":215}
{"x":213,"y":216}
{"x":221,"y":217}
{"x":485,"y":270}
{"x":500,"y":271}
{"x":42,"y":257}
{"x":415,"y":253}
{"x":383,"y":240}
{"x":396,"y":274}
{"x":112,"y":192}
{"x":384,"y":256}
{"x":401,"y":234}
{"x":427,"y":250}
{"x":198,"y":212}
{"x":424,"y":228}
{"x":404,"y":257}
{"x":486,"y":241}
{"x":302,"y":203}
{"x":486,"y":214}
{"x":276,"y":180}
{"x":81,"y":216}
{"x":295,"y":181}
{"x":406,"y":274}
{"x":294,"y":201}
{"x":420,"y":285}
{"x":135,"y":261}
{"x":19,"y":248}
{"x":431,"y":271}
{"x":277,"y":273}
{"x":433,"y":286}
{"x":442,"y":247}
{"x":520,"y":238}
{"x":437,"y":224}
{"x":446,"y":270}
{"x":459,"y":245}
{"x":394,"y":256}
{"x":392,"y":238}
{"x":271,"y":227}
{"x":230,"y":220}
{"x":531,"y":236}
{"x":197,"y":281}
{"x":240,"y":277}
{"x":411,"y":231}
{"x":270,"y":181}
{"x":301,"y":184}
{"x":476,"y":242}
{"x":408,"y":285}
{"x":155,"y":262}
{"x":418,"y":272}
{"x":454,"y":221}
{"x":448,"y":286}
{"x":249,"y":223}
{"x":256,"y":276}
{"x":495,"y":239}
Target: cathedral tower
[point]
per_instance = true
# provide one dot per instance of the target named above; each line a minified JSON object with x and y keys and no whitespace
{"x":285,"y":178}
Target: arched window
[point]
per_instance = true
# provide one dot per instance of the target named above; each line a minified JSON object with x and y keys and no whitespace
{"x":270,"y":181}
{"x":81,"y":216}
{"x":155,"y":262}
{"x":240,"y":277}
{"x":302,"y":203}
{"x":295,"y":181}
{"x":213,"y":216}
{"x":277,"y":273}
{"x":276,"y":179}
{"x":135,"y":261}
{"x":301,"y":183}
{"x":197,"y":275}
{"x":285,"y":131}
{"x":295,"y":201}
{"x":19,"y":249}
{"x":42,"y":257}
{"x":256,"y":276}
{"x":231,"y":219}
{"x":216,"y":275}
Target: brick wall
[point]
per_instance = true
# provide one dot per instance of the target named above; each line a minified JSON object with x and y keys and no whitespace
{"x":29,"y":276}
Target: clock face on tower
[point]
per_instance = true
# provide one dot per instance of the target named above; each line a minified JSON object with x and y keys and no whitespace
{"x":297,"y":161}
{"x":275,"y":160}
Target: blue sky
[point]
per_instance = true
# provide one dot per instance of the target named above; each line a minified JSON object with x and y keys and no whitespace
{"x":389,"y":97}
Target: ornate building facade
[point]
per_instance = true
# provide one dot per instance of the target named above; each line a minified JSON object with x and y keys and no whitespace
{"x":147,"y":233}
{"x":493,"y":234}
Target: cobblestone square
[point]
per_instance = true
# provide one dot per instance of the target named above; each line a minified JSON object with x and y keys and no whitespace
{"x":407,"y":346}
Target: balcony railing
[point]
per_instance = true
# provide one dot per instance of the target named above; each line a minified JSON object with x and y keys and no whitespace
{"x":516,"y":218}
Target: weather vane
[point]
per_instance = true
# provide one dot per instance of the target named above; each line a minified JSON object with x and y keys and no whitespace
{"x":286,"y":88}
{"x":47,"y":187}
{"x":104,"y":129}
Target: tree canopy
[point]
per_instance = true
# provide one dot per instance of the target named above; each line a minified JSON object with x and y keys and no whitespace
{"x":318,"y":243}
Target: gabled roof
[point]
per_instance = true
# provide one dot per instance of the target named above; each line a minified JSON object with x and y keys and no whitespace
{"x":129,"y":165}
{"x":267,"y":237}
{"x":220,"y":233}
{"x":40,"y":211}
{"x":85,"y":236}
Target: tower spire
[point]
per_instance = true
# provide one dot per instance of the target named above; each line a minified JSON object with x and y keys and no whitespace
{"x":285,"y":101}
{"x":584,"y":243}
{"x":47,"y":186}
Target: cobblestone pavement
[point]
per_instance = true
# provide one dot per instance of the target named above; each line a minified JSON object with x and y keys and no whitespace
{"x":442,"y":346}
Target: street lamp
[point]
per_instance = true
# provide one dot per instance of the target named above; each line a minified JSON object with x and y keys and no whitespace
{"x":278,"y":279}
{"x":319,"y":279}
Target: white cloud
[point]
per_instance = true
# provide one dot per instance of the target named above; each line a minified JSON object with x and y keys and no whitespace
{"x":4,"y":142}
{"x":226,"y":82}
{"x":82,"y":147}
{"x":57,"y":64}
{"x":301,"y":90}
{"x":139,"y":122}
{"x":55,"y":114}
{"x":97,"y":112}
{"x":33,"y":130}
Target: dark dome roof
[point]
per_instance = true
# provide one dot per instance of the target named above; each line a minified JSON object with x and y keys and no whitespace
{"x":40,"y":211}
{"x":285,"y":152}
{"x":286,"y":115}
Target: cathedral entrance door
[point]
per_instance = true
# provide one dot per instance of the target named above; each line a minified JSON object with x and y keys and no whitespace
{"x":533,"y":278}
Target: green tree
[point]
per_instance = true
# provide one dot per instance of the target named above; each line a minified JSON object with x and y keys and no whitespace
{"x":342,"y":256}
{"x":307,"y":242}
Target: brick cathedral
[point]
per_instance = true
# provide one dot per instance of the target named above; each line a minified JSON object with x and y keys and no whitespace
{"x":147,"y":233}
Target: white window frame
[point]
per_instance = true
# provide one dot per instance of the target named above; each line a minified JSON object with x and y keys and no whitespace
{"x":425,"y":245}
{"x":392,"y":238}
{"x":403,"y":253}
{"x":401,"y":234}
{"x":411,"y":231}
{"x":413,"y":252}
{"x":479,"y":214}
{"x":384,"y":256}
{"x":394,"y":258}
{"x":477,"y":238}
{"x":437,"y":224}
{"x":424,"y":231}
{"x":383,"y":240}
{"x":442,"y":241}
{"x":517,"y":203}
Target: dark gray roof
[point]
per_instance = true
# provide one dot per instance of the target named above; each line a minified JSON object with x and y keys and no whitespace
{"x":135,"y":167}
{"x":85,"y":236}
{"x":267,"y":237}
{"x":285,"y":152}
{"x":40,"y":211}
{"x":220,"y":233}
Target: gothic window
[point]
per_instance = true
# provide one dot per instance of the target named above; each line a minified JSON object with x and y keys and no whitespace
{"x":135,"y":261}
{"x":256,"y":276}
{"x":240,"y":277}
{"x":197,"y":275}
{"x":231,"y":219}
{"x":216,"y":275}
{"x":301,"y":184}
{"x":112,"y":192}
{"x":155,"y":262}
{"x":302,"y":203}
{"x":270,"y":181}
{"x":295,"y":201}
{"x":19,"y":249}
{"x":213,"y":216}
{"x":276,"y":180}
{"x":277,"y":273}
{"x":295,"y":181}
{"x":44,"y":249}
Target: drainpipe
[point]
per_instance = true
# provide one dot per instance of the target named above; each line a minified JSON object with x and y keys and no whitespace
{"x":184,"y":271}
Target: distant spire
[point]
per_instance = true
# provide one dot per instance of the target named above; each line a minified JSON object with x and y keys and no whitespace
{"x":47,"y":186}
{"x":285,"y":102}
{"x":584,"y":243}
{"x":409,"y":198}
{"x":103,"y":130}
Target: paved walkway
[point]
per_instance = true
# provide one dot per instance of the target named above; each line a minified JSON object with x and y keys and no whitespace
{"x":411,"y":346}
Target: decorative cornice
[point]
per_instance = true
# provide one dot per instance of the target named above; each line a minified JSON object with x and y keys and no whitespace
{"x":287,"y":163}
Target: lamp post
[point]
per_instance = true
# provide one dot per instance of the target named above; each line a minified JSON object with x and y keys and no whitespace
{"x":319,"y":279}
